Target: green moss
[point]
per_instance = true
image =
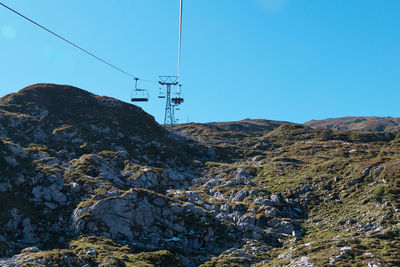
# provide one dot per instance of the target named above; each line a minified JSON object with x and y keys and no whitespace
{"x":107,"y":252}
{"x":87,"y":202}
{"x":379,"y":192}
{"x":227,"y":260}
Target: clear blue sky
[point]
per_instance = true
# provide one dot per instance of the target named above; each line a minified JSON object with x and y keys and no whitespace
{"x":292,"y":60}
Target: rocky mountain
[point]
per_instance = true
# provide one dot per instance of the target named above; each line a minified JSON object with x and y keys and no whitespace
{"x":360,"y":124}
{"x":92,"y":181}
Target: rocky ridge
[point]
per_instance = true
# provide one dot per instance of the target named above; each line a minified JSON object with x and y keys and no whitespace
{"x":361,"y":124}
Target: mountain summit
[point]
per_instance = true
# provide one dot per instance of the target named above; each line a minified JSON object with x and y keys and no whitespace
{"x":58,"y":105}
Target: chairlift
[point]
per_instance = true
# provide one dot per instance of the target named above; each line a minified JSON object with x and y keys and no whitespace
{"x":161,"y":95}
{"x":139,"y":95}
{"x":178,"y":99}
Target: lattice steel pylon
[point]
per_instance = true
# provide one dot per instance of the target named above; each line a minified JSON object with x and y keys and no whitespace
{"x":168,"y":81}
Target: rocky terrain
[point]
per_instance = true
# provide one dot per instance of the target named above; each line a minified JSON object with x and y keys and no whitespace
{"x":92,"y":181}
{"x":360,"y":124}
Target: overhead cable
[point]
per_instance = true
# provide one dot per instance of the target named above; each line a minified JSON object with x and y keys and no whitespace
{"x":180,"y":38}
{"x":73,"y":44}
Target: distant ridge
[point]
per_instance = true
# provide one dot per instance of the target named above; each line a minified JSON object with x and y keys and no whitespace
{"x":249,"y":125}
{"x":359,"y":124}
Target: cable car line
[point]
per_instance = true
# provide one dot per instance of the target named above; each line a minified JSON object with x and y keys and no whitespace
{"x":74,"y":45}
{"x":180,"y":37}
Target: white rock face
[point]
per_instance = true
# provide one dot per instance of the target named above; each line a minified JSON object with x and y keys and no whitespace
{"x":135,"y":216}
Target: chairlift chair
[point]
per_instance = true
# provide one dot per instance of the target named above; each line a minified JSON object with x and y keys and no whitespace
{"x":161,"y":95}
{"x":177,"y":100}
{"x":139,"y":95}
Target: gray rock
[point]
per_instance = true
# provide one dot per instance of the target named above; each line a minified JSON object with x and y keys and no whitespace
{"x":285,"y":227}
{"x":159,"y":202}
{"x":210,"y":235}
{"x":51,"y":205}
{"x":305,"y":189}
{"x":11,"y":160}
{"x":355,"y":181}
{"x":196,"y":243}
{"x":91,"y":251}
{"x":37,"y":191}
{"x":178,"y":228}
{"x":108,"y":210}
{"x":346,"y":250}
{"x":193,"y":197}
{"x":3,"y":188}
{"x":225,"y":208}
{"x":230,"y":184}
{"x":211,"y":182}
{"x":259,"y":200}
{"x":58,"y":196}
{"x":75,"y":187}
{"x":273,"y":212}
{"x":369,"y":255}
{"x":31,"y":249}
{"x":176,"y":209}
{"x":303,"y":262}
{"x":221,"y":216}
{"x":375,"y":264}
{"x":247,"y":219}
{"x":219,"y":195}
{"x":196,"y":211}
{"x":241,"y":174}
{"x":240,"y":196}
{"x":29,"y":236}
{"x":276,"y":199}
{"x":267,"y":202}
{"x":46,"y":194}
{"x":254,"y":192}
{"x":15,"y":220}
{"x":144,"y":208}
{"x":59,"y":182}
